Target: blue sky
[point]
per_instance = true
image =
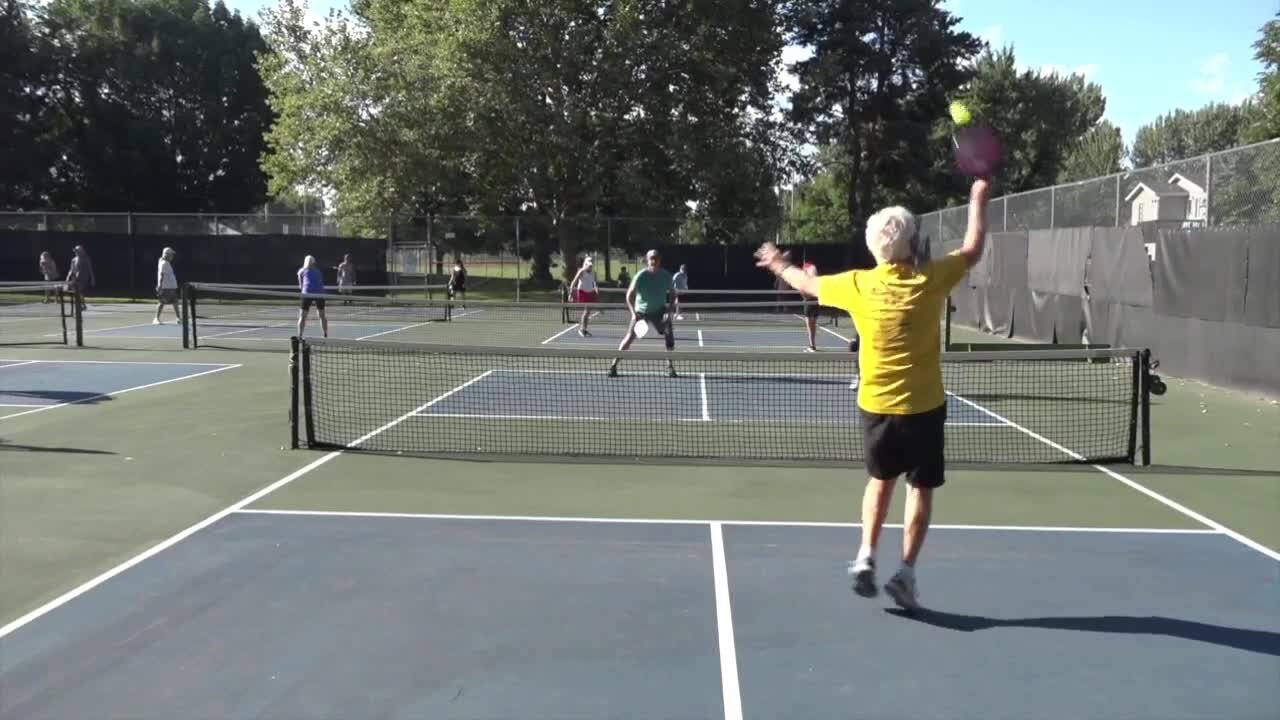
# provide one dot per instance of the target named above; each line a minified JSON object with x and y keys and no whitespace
{"x":1149,"y":56}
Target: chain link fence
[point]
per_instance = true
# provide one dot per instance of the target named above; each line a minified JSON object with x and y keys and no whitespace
{"x":1233,"y":188}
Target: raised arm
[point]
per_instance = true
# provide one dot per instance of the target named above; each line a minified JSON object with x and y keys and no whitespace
{"x":975,"y":235}
{"x":779,"y":263}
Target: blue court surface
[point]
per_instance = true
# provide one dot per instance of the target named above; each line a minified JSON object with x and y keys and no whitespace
{"x":579,"y":395}
{"x":28,"y":386}
{"x":298,"y":615}
{"x":282,"y":330}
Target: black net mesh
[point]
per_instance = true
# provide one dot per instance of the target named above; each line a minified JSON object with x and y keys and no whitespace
{"x":36,"y":314}
{"x":1024,"y":407}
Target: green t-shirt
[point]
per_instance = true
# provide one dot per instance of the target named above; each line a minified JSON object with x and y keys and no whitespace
{"x":651,"y":290}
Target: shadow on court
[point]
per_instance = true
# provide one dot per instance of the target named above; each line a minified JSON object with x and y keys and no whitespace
{"x":1258,"y":641}
{"x":6,"y":445}
{"x":90,"y":397}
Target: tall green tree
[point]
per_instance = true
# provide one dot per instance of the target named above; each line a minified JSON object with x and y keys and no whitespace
{"x":1265,"y":124}
{"x":157,"y":106}
{"x":880,"y":77}
{"x":1040,"y":118}
{"x":1099,"y":152}
{"x":556,"y":110}
{"x":1183,"y":134}
{"x":25,"y":152}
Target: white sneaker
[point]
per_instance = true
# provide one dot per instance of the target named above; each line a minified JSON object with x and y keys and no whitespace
{"x":863,"y":574}
{"x":903,"y":590}
{"x":156,"y":321}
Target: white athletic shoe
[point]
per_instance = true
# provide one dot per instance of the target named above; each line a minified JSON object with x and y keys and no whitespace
{"x":903,"y":590}
{"x":863,"y":574}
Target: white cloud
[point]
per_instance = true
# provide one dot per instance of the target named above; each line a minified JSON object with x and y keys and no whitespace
{"x":1212,"y":78}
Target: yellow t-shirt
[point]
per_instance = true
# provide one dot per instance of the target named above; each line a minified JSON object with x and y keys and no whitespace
{"x":897,"y":310}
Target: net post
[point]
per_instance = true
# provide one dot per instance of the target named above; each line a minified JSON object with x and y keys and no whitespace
{"x":946,"y":324}
{"x":62,"y":313}
{"x":76,"y":299}
{"x":1145,"y":399}
{"x":186,"y":334}
{"x":293,"y":392}
{"x":191,"y":301}
{"x":306,"y":393}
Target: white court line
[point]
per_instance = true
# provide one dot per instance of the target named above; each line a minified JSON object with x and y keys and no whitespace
{"x":17,"y":363}
{"x":399,"y":329}
{"x":122,"y":327}
{"x":724,"y":628}
{"x":251,"y":328}
{"x":1242,"y":539}
{"x":175,"y":539}
{"x":557,"y":335}
{"x":700,"y":343}
{"x":833,"y":332}
{"x":702,"y":386}
{"x":730,"y":523}
{"x":114,"y":393}
{"x":117,"y":362}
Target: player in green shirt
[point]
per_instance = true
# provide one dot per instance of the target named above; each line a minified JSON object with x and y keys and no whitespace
{"x":649,"y":298}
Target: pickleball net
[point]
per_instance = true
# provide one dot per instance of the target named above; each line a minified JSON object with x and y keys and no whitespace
{"x":39,"y":314}
{"x":1025,"y":407}
{"x":230,"y":312}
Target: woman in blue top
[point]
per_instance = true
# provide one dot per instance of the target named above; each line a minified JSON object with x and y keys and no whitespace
{"x":311,"y":282}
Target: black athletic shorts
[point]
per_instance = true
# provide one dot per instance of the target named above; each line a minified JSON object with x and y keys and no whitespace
{"x":306,"y":303}
{"x":811,"y":310}
{"x":660,"y":322}
{"x":906,"y":444}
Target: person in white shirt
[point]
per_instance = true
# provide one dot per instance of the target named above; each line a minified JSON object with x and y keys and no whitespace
{"x":346,"y":277}
{"x":584,"y":289}
{"x":49,"y":271}
{"x":681,"y":282}
{"x":166,"y":286}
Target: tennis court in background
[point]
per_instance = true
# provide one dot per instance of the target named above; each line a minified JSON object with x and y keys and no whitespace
{"x":166,"y":554}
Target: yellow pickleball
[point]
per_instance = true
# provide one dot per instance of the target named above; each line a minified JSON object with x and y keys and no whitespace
{"x":960,"y":114}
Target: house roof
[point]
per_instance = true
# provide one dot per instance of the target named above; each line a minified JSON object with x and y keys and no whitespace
{"x":1180,"y":180}
{"x":1160,"y":189}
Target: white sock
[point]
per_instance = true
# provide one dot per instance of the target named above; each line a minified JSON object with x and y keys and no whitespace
{"x":865,"y":553}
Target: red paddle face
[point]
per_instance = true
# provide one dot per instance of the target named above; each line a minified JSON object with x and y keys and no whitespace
{"x":978,"y":150}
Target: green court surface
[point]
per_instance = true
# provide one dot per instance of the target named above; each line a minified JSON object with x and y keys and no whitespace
{"x":87,"y":486}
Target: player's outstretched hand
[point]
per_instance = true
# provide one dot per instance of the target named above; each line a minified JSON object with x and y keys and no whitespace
{"x":768,"y":256}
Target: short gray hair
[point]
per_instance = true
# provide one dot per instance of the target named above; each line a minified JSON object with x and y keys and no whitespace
{"x":890,"y":234}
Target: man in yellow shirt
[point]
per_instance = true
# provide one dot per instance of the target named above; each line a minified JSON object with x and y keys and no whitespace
{"x":897,"y":309}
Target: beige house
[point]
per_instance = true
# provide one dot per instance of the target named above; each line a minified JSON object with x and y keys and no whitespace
{"x":1176,"y":201}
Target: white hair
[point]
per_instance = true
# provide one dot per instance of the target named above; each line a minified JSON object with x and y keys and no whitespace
{"x":890,"y":233}
{"x":309,"y":261}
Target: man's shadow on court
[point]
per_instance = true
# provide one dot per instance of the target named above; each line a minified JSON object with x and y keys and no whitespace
{"x":1259,"y":641}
